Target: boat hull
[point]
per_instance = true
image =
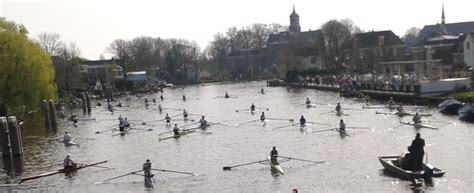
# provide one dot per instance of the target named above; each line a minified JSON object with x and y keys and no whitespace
{"x":391,"y":165}
{"x":276,"y":168}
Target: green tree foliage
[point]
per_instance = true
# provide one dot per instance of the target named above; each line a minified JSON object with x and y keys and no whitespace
{"x":26,"y":71}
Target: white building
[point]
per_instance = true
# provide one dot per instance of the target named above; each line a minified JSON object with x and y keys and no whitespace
{"x":469,"y":50}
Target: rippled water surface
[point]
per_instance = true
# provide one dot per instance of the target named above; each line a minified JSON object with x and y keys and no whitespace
{"x":352,"y":163}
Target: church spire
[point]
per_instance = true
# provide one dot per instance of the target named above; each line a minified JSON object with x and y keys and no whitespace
{"x":294,"y":21}
{"x":442,"y":16}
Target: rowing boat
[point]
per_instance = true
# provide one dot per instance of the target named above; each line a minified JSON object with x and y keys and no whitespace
{"x":391,"y":163}
{"x":73,"y":169}
{"x":70,"y":143}
{"x":184,"y":132}
{"x":309,"y":105}
{"x":419,"y":125}
{"x":122,"y":133}
{"x":275,"y":168}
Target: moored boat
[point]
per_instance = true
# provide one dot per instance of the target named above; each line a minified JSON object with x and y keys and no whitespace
{"x":391,"y":163}
{"x":450,"y":106}
{"x":466,"y":113}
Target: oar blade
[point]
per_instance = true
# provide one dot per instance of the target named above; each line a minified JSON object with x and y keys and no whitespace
{"x":227,"y":168}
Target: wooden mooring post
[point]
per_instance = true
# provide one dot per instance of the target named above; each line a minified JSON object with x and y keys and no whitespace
{"x":16,"y":144}
{"x":4,"y":137}
{"x":45,"y":112}
{"x":10,"y":135}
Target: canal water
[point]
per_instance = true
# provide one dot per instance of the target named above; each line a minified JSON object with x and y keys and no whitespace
{"x":351,"y":161}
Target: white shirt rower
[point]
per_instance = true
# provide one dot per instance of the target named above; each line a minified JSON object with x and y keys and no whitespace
{"x":67,"y":137}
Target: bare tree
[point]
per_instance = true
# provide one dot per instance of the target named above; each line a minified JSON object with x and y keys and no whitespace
{"x":338,"y":38}
{"x":50,"y":42}
{"x":68,"y":66}
{"x":411,"y":35}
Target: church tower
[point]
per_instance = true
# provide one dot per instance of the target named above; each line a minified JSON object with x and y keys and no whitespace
{"x":294,"y":21}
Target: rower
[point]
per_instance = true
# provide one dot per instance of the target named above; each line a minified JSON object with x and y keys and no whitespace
{"x":67,"y":137}
{"x":160,"y":108}
{"x":342,"y":126}
{"x":119,"y":104}
{"x":262,"y":117}
{"x":74,"y":119}
{"x":99,"y":104}
{"x":110,"y":107}
{"x":125,"y":123}
{"x":147,"y":168}
{"x":252,"y":107}
{"x":68,"y":163}
{"x":274,"y":155}
{"x":226,"y":95}
{"x":120,"y":118}
{"x":176,"y":129}
{"x":203,"y":121}
{"x":338,"y":108}
{"x":154,"y":100}
{"x":146,"y":100}
{"x":262,"y":91}
{"x":302,"y":121}
{"x":416,"y":118}
{"x":185,"y":114}
{"x":308,"y":101}
{"x":167,"y":118}
{"x":391,"y":102}
{"x":184,"y":97}
{"x":161,"y":97}
{"x":400,"y":108}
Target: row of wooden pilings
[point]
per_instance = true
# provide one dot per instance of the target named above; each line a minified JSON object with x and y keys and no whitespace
{"x":10,"y":137}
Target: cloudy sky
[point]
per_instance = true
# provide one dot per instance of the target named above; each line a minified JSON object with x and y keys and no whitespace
{"x":93,"y":24}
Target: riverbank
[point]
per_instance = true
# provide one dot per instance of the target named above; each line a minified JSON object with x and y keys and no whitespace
{"x":405,"y":97}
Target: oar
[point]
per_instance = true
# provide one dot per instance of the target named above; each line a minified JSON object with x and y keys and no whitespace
{"x":234,"y":166}
{"x":383,"y":113}
{"x":84,"y":138}
{"x":319,"y":123}
{"x":116,"y":177}
{"x":97,"y":132}
{"x":247,"y":122}
{"x":285,"y":126}
{"x":242,"y":110}
{"x":304,"y":160}
{"x":112,"y":168}
{"x":177,"y":172}
{"x":162,"y":133}
{"x":359,"y":127}
{"x":195,"y":114}
{"x":291,"y":120}
{"x":173,"y":109}
{"x":263,"y":108}
{"x":343,"y":132}
{"x":353,"y":109}
{"x":323,"y":130}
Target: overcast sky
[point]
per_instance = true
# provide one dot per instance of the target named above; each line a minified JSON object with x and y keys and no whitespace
{"x":93,"y":24}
